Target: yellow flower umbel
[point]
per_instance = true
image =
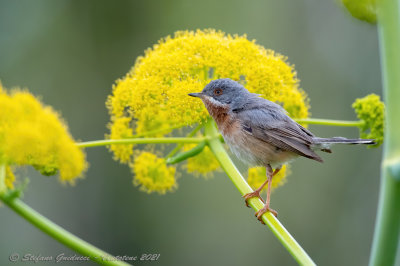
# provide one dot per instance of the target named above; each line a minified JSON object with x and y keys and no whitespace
{"x":152,"y":174}
{"x":33,"y":134}
{"x":153,"y":94}
{"x":257,"y":176}
{"x":371,"y":110}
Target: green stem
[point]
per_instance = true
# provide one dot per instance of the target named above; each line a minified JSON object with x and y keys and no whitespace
{"x":106,"y":142}
{"x":58,"y":233}
{"x":180,"y":145}
{"x":273,"y":223}
{"x":329,"y":122}
{"x":186,"y":154}
{"x":387,"y":228}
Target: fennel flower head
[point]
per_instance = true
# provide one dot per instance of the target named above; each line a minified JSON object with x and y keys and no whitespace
{"x":371,"y":111}
{"x":152,"y":98}
{"x":33,"y":134}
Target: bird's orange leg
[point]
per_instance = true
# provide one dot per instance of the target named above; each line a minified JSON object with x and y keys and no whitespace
{"x":266,"y":207}
{"x":256,"y":193}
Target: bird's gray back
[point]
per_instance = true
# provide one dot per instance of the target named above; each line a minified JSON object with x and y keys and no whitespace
{"x":269,"y":122}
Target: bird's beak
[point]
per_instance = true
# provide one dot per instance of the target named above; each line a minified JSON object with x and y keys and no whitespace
{"x":197,"y":94}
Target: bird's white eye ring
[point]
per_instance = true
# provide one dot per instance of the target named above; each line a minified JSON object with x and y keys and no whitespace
{"x":217,"y":91}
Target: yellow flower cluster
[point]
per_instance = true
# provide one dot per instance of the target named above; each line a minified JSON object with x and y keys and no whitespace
{"x":257,"y":176}
{"x":371,"y":110}
{"x":153,"y":94}
{"x":33,"y":134}
{"x":152,"y":174}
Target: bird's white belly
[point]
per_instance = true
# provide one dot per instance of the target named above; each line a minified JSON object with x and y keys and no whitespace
{"x":254,"y":152}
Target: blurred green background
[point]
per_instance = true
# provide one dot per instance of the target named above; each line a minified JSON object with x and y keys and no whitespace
{"x":71,"y":52}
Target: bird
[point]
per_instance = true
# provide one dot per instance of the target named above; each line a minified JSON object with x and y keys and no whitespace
{"x":260,"y":132}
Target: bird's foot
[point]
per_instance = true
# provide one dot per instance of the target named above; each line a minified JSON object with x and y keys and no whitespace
{"x":264,"y":210}
{"x":252,"y":195}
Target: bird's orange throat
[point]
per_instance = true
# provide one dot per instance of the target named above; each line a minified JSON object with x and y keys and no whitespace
{"x":220,"y":113}
{"x":216,"y":109}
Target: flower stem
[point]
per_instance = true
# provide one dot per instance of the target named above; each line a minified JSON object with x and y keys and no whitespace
{"x":273,"y":223}
{"x":180,"y":145}
{"x":329,"y":122}
{"x":186,"y":154}
{"x":58,"y":233}
{"x":106,"y":142}
{"x":387,"y":228}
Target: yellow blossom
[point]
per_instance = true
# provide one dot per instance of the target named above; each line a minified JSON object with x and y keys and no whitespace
{"x":202,"y":164}
{"x":371,"y":110}
{"x":257,"y":176}
{"x":152,"y":174}
{"x":153,"y":94}
{"x":33,"y":134}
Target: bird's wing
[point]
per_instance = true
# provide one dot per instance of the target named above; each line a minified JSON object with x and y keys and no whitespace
{"x":270,"y":124}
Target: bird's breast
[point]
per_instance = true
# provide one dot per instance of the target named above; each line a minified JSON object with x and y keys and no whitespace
{"x":217,"y":110}
{"x":250,"y":149}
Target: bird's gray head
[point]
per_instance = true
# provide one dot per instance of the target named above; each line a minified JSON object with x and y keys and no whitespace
{"x":224,"y":91}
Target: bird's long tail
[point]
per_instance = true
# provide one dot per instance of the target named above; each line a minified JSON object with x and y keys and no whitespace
{"x":342,"y":140}
{"x":324,"y":144}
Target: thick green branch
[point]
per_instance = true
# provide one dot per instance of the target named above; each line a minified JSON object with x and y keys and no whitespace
{"x":329,"y":122}
{"x":106,"y":142}
{"x":387,"y":228}
{"x":273,"y":223}
{"x":58,"y":233}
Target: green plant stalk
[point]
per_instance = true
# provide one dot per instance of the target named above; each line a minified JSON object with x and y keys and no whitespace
{"x":387,"y":228}
{"x":180,"y":145}
{"x":57,"y":232}
{"x":270,"y":220}
{"x":106,"y":142}
{"x":186,"y":154}
{"x":60,"y":234}
{"x":329,"y":122}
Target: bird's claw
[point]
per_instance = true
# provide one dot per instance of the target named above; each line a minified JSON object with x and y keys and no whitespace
{"x":252,"y":195}
{"x":264,"y":210}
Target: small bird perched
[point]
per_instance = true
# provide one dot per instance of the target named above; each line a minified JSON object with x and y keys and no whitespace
{"x":260,"y":133}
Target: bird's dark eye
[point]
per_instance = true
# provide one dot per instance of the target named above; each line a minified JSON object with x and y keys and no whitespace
{"x":217,"y":91}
